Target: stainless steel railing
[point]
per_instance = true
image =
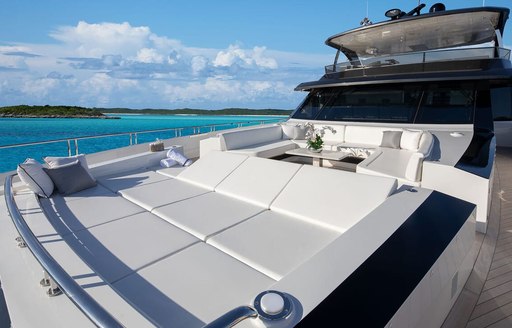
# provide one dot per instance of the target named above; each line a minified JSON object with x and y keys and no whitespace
{"x":88,"y":305}
{"x":133,"y":135}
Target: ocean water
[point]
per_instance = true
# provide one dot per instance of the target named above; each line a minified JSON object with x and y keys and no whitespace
{"x":24,"y":130}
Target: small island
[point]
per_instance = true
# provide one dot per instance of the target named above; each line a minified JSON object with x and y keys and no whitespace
{"x":25,"y":111}
{"x":47,"y":111}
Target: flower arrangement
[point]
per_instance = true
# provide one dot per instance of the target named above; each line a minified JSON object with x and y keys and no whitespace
{"x":314,"y":137}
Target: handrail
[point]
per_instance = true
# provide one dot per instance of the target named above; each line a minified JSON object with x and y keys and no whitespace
{"x":88,"y":305}
{"x":178,"y":131}
{"x":233,"y":317}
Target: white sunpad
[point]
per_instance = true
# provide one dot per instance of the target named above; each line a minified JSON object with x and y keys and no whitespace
{"x":273,"y":243}
{"x":211,"y":169}
{"x":190,"y":288}
{"x":117,"y":248}
{"x":207,"y":214}
{"x":87,"y":212}
{"x":258,"y":180}
{"x":131,"y":180}
{"x":161,"y":193}
{"x":172,"y":171}
{"x":333,"y":198}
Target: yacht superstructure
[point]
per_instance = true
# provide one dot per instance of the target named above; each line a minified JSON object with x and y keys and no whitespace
{"x":377,"y":229}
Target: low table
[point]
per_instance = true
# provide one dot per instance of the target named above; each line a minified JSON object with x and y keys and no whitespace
{"x":318,"y":157}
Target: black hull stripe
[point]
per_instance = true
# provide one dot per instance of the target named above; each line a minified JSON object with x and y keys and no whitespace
{"x":373,"y":293}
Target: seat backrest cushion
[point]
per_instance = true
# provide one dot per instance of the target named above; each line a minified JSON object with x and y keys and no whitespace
{"x":371,"y":135}
{"x":243,"y":138}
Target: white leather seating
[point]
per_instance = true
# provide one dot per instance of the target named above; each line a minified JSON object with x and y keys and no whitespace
{"x":264,"y":141}
{"x":405,"y":165}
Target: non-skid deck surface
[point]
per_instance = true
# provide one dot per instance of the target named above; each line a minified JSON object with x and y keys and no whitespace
{"x":494,"y":305}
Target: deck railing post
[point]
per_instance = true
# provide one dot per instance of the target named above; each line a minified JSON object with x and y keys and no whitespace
{"x":69,"y":147}
{"x":76,"y":146}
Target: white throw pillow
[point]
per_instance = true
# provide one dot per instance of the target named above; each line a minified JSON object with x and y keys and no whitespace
{"x":410,"y":140}
{"x":293,"y":132}
{"x":32,"y":174}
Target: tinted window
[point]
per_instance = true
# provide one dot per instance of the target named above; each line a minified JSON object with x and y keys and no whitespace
{"x":389,"y":104}
{"x":501,"y":101}
{"x":448,"y":105}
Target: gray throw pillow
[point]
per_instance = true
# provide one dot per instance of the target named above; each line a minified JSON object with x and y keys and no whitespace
{"x":70,"y":178}
{"x":58,"y":161}
{"x":391,"y":139}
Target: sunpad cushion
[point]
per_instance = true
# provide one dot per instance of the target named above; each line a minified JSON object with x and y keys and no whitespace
{"x":211,"y":169}
{"x":258,"y":180}
{"x":332,"y":198}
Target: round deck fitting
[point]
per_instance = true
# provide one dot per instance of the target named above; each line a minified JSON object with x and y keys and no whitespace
{"x":273,"y":305}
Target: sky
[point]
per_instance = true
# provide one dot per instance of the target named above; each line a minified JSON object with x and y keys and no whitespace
{"x":176,"y":53}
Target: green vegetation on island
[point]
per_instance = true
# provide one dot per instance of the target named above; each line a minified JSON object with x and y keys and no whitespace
{"x":191,"y":111}
{"x":50,"y":112}
{"x":82,"y":112}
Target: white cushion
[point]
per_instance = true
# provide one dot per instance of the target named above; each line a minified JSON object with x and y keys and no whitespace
{"x":71,"y":216}
{"x":369,"y":135}
{"x":244,"y":138}
{"x":293,"y":132}
{"x":172,"y":171}
{"x":258,"y":180}
{"x":32,"y":174}
{"x":273,"y":243}
{"x":192,"y":287}
{"x":266,"y":150}
{"x":410,"y":139}
{"x":162,"y":193}
{"x":131,"y":179}
{"x":211,"y":169}
{"x":118,"y":248}
{"x":333,"y":198}
{"x":426,"y":143}
{"x":207,"y":214}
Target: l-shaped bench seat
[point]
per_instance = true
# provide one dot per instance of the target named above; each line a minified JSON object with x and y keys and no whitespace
{"x":398,"y":157}
{"x":248,"y":217}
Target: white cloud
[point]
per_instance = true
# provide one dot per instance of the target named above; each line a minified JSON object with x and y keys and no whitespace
{"x":119,"y":65}
{"x":147,"y":55}
{"x":235,"y":55}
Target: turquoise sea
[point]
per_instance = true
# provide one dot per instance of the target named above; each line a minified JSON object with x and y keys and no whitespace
{"x":24,"y":130}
